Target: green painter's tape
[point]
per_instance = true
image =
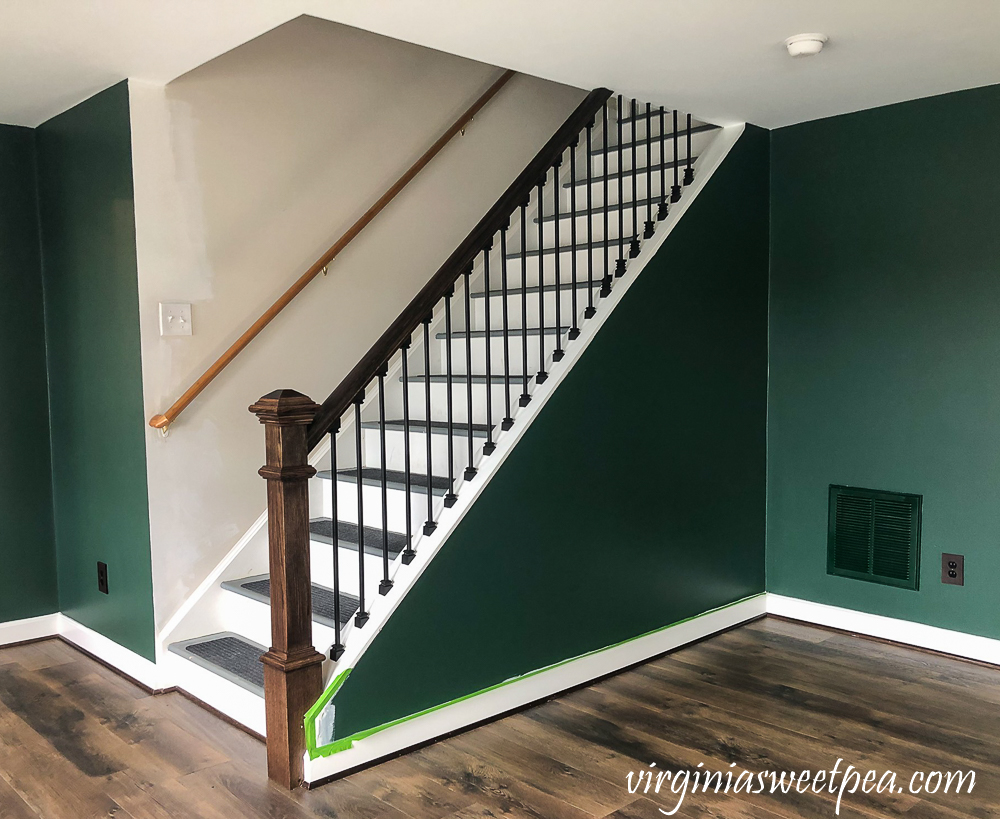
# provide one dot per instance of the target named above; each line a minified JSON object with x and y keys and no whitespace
{"x":344,"y":744}
{"x":313,"y":713}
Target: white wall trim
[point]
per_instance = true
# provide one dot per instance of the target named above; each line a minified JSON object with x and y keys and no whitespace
{"x":105,"y":649}
{"x":33,"y":628}
{"x":544,"y":683}
{"x":984,"y":649}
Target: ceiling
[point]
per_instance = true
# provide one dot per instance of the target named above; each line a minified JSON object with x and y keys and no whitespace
{"x":722,"y":59}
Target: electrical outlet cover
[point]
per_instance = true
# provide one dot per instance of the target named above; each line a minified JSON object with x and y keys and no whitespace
{"x":953,"y":569}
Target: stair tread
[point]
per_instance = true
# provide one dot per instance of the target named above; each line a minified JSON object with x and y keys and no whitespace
{"x":637,"y":172}
{"x":321,"y":529}
{"x":512,"y":331}
{"x":440,"y":378}
{"x":229,"y":655}
{"x":668,"y":135}
{"x":372,"y":476}
{"x":597,"y":243}
{"x":437,"y":427}
{"x":259,"y":588}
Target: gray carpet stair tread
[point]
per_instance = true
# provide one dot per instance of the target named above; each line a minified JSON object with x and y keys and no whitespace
{"x":322,"y":598}
{"x":597,"y":244}
{"x":653,"y":169}
{"x":321,"y":529}
{"x":442,"y":378}
{"x":511,"y":331}
{"x":229,"y":655}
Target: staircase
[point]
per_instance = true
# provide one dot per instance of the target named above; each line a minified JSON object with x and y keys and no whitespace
{"x":401,"y":447}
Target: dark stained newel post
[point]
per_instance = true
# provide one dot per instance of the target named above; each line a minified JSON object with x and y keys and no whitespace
{"x":293,"y":677}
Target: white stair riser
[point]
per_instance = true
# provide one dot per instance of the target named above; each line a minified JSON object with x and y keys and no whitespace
{"x":699,"y":142}
{"x":347,"y":504}
{"x":516,"y":345}
{"x":321,"y":557}
{"x":396,"y":455}
{"x":566,"y":234}
{"x":538,"y":315}
{"x":460,"y":410}
{"x":254,"y":619}
{"x":598,"y":198}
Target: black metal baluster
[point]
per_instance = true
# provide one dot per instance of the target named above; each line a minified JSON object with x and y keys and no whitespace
{"x":508,"y":420}
{"x":337,"y":649}
{"x":542,"y":375}
{"x":470,"y":470}
{"x":664,"y":208}
{"x":574,"y":331}
{"x":649,"y":227}
{"x":525,"y":395}
{"x":688,"y":171}
{"x":557,"y":353}
{"x":620,"y":264}
{"x":633,"y":249}
{"x":408,"y":553}
{"x":606,"y":281}
{"x":362,"y":616}
{"x":675,"y":191}
{"x":489,"y":446}
{"x":429,"y":525}
{"x":450,"y":498}
{"x":590,"y":312}
{"x":385,"y":584}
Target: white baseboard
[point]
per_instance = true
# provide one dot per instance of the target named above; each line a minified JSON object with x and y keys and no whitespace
{"x":530,"y":688}
{"x":984,"y":649}
{"x":106,"y":650}
{"x":33,"y":628}
{"x":128,"y":662}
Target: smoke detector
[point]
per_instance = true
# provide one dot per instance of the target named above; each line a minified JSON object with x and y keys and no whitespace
{"x":805,"y":45}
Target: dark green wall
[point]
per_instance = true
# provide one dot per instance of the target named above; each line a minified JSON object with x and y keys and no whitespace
{"x":92,"y":330}
{"x":637,"y":496}
{"x":27,"y":546}
{"x":885,"y":345}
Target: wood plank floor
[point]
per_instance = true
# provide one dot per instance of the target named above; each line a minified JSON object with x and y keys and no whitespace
{"x":77,"y":741}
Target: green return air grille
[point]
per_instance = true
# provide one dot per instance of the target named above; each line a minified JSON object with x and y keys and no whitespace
{"x":874,"y":536}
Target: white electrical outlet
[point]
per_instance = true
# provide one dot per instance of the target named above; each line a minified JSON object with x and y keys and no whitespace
{"x":175,"y":319}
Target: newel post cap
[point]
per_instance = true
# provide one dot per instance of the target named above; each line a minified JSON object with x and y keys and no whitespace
{"x":285,"y":408}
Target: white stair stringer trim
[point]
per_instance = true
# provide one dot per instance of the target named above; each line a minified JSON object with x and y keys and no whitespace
{"x":530,"y":688}
{"x":945,"y":641}
{"x":357,"y":640}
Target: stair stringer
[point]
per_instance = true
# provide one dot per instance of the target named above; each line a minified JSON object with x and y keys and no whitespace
{"x":705,"y":166}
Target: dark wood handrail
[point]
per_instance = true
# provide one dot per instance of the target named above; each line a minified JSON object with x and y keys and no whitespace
{"x":168,"y":417}
{"x":423,"y":304}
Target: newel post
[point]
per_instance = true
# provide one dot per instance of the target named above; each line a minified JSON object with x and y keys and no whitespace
{"x":293,"y":677}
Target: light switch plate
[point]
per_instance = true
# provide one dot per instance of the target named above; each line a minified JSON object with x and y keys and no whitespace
{"x":175,"y":319}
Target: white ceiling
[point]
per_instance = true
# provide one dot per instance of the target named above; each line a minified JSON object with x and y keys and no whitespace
{"x":722,"y":59}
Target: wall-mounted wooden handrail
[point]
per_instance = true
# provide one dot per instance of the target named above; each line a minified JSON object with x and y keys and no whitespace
{"x":168,"y":417}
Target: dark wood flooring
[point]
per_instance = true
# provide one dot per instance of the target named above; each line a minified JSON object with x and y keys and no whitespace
{"x":77,"y":741}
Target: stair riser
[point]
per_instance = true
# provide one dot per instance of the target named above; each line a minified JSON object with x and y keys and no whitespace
{"x":396,"y":455}
{"x":254,"y":619}
{"x":439,"y":392}
{"x":516,"y":347}
{"x":536,"y":315}
{"x":347,"y":501}
{"x":321,"y":557}
{"x":699,"y":142}
{"x":565,"y":232}
{"x":597,"y":191}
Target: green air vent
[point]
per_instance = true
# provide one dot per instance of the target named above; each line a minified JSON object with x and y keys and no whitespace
{"x":874,"y":536}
